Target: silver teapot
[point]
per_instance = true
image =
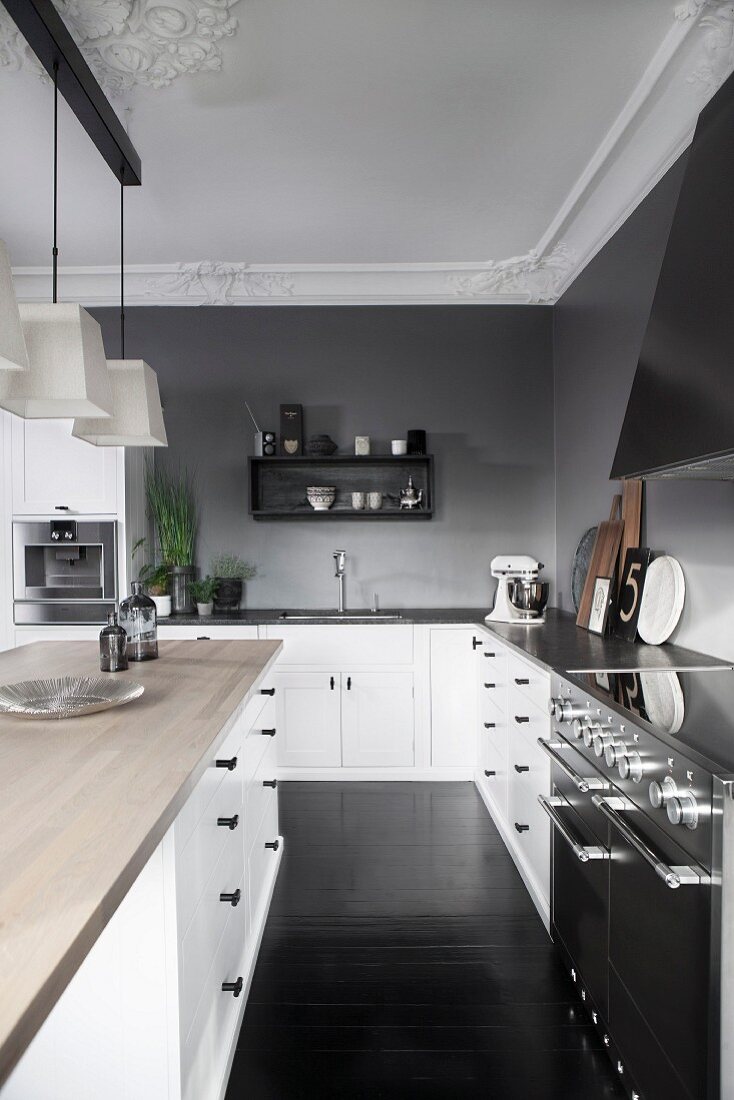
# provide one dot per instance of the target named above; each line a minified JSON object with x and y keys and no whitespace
{"x":411,"y":497}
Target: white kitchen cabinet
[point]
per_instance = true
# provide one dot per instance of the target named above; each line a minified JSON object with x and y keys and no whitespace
{"x":377,"y":719}
{"x":308,"y":719}
{"x":52,"y":470}
{"x":453,"y":698}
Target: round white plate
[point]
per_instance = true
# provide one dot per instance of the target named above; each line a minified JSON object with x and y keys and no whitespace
{"x":664,"y":701}
{"x":662,"y":600}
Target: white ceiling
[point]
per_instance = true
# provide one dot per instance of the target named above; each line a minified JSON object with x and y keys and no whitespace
{"x":352,"y":132}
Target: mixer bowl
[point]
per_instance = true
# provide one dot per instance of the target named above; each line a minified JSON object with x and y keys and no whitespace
{"x":528,"y":597}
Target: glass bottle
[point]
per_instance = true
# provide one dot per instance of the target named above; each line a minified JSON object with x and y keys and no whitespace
{"x":112,"y":645}
{"x":138,"y":617}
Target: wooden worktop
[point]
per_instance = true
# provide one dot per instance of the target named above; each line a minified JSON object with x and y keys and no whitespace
{"x":84,"y":803}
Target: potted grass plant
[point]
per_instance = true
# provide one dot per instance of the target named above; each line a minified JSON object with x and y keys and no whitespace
{"x":173,"y":509}
{"x":203,"y":593}
{"x":230,"y":573}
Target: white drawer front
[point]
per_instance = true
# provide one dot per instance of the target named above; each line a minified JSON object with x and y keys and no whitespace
{"x":260,"y":858}
{"x":256,"y":744}
{"x":494,"y":777}
{"x":532,"y":681}
{"x":530,"y":828}
{"x":494,"y":733}
{"x":199,"y":631}
{"x":257,"y":795}
{"x":202,"y":794}
{"x":526,"y":720}
{"x":341,"y":647}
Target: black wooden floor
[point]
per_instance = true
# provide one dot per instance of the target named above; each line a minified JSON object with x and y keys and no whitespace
{"x":403,"y":958}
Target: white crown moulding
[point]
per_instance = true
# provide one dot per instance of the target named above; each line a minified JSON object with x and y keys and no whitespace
{"x":653,"y":128}
{"x":137,"y":417}
{"x":13,"y":351}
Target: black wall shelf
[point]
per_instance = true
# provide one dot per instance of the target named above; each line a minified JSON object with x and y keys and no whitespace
{"x":278,"y":485}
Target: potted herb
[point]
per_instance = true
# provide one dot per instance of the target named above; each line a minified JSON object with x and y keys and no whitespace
{"x":203,"y":593}
{"x":230,"y":571}
{"x":172,"y":506}
{"x":155,"y":579}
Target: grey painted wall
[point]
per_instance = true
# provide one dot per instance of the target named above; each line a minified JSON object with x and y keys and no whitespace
{"x":478,"y":379}
{"x":598,"y":330}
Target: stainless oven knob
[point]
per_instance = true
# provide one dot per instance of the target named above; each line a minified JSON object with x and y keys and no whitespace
{"x":602,"y":738}
{"x":578,"y":726}
{"x":565,"y":710}
{"x":661,"y":793}
{"x":554,"y":708}
{"x":683,"y":810}
{"x":630,"y":766}
{"x":614,"y":751}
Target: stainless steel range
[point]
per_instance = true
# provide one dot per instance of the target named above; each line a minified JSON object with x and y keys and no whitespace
{"x":643,"y":882}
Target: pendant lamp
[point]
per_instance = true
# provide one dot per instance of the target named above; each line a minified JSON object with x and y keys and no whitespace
{"x":67,"y":370}
{"x":137,"y":416}
{"x":13,"y":353}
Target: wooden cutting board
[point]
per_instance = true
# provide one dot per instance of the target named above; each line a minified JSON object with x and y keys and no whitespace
{"x":603,"y":558}
{"x":632,"y":519}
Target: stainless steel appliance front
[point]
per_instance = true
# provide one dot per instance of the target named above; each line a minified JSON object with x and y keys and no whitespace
{"x":64,"y":570}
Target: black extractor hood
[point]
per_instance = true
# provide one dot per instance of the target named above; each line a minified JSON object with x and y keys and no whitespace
{"x":680,"y":417}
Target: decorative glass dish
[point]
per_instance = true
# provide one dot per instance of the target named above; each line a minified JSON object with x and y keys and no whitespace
{"x":66,"y":697}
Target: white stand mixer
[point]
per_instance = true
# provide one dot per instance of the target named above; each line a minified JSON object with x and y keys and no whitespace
{"x":520,"y":596}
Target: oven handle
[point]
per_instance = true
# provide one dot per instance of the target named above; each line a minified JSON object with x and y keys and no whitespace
{"x":550,"y":749}
{"x":581,"y":851}
{"x":673,"y":877}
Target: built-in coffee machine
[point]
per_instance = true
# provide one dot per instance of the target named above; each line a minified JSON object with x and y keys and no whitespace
{"x":64,"y":570}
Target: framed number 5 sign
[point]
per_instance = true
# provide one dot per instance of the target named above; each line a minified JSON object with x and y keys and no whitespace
{"x":630,"y":593}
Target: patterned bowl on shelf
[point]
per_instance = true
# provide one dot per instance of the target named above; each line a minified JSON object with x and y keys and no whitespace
{"x":66,"y":697}
{"x":321,"y":497}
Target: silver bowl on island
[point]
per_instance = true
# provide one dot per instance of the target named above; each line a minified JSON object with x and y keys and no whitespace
{"x":529,"y":597}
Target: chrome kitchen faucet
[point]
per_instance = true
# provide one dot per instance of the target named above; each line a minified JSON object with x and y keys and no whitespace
{"x":340,"y":559}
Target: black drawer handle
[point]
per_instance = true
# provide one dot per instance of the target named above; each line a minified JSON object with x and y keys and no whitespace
{"x":233,"y":899}
{"x":61,"y":507}
{"x":475,"y":643}
{"x":521,"y":828}
{"x":486,"y":654}
{"x":230,"y":765}
{"x":520,"y":718}
{"x":268,"y":733}
{"x":229,"y":822}
{"x":332,"y":681}
{"x":349,"y":683}
{"x":521,"y":682}
{"x":270,"y":783}
{"x":489,"y":725}
{"x":490,"y":685}
{"x":267,"y":691}
{"x":203,"y":638}
{"x":520,"y":768}
{"x":235,"y":988}
{"x":272,"y":844}
{"x":488,"y":774}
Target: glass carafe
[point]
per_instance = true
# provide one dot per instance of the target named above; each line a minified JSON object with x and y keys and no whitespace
{"x":138,"y":618}
{"x":112,"y":646}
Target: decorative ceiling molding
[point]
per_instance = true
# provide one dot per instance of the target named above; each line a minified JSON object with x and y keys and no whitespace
{"x":217,"y":283}
{"x":533,"y":276}
{"x":131,"y":42}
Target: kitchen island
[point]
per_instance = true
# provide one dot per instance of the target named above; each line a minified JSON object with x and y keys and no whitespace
{"x":86,"y":803}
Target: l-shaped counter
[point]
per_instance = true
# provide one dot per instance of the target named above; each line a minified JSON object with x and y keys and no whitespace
{"x":109,"y":795}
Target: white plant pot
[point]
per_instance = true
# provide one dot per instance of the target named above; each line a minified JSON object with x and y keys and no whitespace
{"x":205,"y":608}
{"x":162,"y":606}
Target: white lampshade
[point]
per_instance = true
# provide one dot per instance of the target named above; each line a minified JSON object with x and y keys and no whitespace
{"x":67,"y":371}
{"x":137,"y":417}
{"x":13,"y":353}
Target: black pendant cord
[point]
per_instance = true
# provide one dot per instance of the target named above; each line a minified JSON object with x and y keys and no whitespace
{"x":55,"y":250}
{"x":122,"y":263}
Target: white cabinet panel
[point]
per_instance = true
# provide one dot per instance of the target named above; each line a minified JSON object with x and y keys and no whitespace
{"x":169,"y":631}
{"x":377,"y":719}
{"x":308,"y":719}
{"x":453,"y":698}
{"x":341,"y":647}
{"x":52,"y":470}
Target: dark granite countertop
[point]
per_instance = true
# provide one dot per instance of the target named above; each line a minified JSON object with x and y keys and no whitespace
{"x":558,"y":643}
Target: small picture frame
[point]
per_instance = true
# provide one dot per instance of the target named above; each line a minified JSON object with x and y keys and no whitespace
{"x":600,"y":603}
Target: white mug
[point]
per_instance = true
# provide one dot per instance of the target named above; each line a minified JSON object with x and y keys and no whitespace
{"x":400,"y":446}
{"x":374,"y":500}
{"x":358,"y":501}
{"x":361,"y":444}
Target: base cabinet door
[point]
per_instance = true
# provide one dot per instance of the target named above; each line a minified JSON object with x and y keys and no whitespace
{"x":453,"y":698}
{"x":308,"y":718}
{"x":377,"y":720}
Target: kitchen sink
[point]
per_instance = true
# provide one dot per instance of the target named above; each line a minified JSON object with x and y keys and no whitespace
{"x":341,"y":616}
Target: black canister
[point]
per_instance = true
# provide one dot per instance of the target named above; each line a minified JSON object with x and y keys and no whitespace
{"x":112,"y":646}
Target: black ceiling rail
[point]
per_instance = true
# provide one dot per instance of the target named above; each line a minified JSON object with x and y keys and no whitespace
{"x":46,"y":34}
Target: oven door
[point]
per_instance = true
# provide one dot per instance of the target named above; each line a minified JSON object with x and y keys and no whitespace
{"x":659,"y":945}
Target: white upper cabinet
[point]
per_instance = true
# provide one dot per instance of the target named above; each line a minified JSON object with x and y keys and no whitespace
{"x":453,"y":698}
{"x":377,"y":720}
{"x":308,"y":719}
{"x":53,"y":471}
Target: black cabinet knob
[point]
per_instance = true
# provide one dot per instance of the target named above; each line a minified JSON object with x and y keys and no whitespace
{"x":489,"y":725}
{"x":475,"y":643}
{"x":230,"y":765}
{"x":270,"y":783}
{"x":267,"y":691}
{"x":272,"y":844}
{"x":520,"y":718}
{"x":488,"y":654}
{"x":488,"y":774}
{"x":332,"y":681}
{"x":233,"y":899}
{"x":235,"y":988}
{"x":349,"y":683}
{"x":520,"y":768}
{"x":490,"y":685}
{"x":268,"y":733}
{"x":521,"y":682}
{"x":229,"y":822}
{"x":521,"y":828}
